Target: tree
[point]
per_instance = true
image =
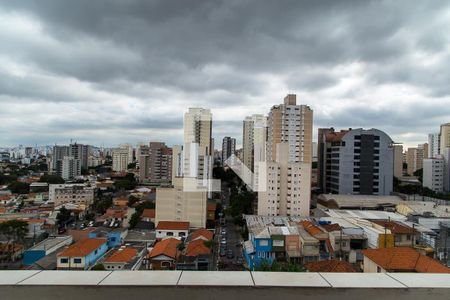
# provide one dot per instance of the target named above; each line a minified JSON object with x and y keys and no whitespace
{"x":132,"y":200}
{"x":51,"y":179}
{"x":98,"y":267}
{"x":135,"y":218}
{"x":18,"y":187}
{"x":419,"y":174}
{"x":14,"y":231}
{"x":63,"y":216}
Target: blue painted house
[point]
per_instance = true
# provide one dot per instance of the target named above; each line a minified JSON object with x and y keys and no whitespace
{"x":114,"y":236}
{"x":258,"y":249}
{"x":82,"y":255}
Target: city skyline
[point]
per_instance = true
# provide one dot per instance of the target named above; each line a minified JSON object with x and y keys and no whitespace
{"x":127,"y":72}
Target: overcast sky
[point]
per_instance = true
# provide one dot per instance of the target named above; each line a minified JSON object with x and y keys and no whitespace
{"x":110,"y":72}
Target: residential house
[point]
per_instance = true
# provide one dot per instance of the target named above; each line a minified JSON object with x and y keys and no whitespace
{"x":114,"y":236}
{"x":124,"y":258}
{"x":148,"y":215}
{"x":309,"y":245}
{"x":82,"y":255}
{"x":197,"y":256}
{"x":404,"y":236}
{"x":400,"y":259}
{"x":325,"y":249}
{"x":258,"y":248}
{"x":44,"y":248}
{"x":331,"y":266}
{"x":164,"y":255}
{"x":176,"y":229}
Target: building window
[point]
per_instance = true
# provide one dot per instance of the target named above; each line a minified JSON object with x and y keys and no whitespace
{"x":169,"y":233}
{"x":378,"y":269}
{"x":64,"y":260}
{"x":77,"y":260}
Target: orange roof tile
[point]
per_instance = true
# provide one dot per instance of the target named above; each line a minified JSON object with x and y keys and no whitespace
{"x":202,"y":232}
{"x":82,"y":247}
{"x":196,"y":248}
{"x":336,"y":136}
{"x":395,"y":227}
{"x":148,"y":213}
{"x":311,"y":228}
{"x":172,"y":225}
{"x":336,"y":266}
{"x":332,"y":227}
{"x":122,"y":255}
{"x":404,"y":259}
{"x":167,"y":247}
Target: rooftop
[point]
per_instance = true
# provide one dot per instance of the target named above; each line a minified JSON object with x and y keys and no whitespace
{"x":196,"y":248}
{"x":361,"y":201}
{"x":404,"y":259}
{"x":330,"y":266}
{"x":50,"y":242}
{"x":124,"y":255}
{"x":167,"y":247}
{"x":82,"y":248}
{"x":172,"y":225}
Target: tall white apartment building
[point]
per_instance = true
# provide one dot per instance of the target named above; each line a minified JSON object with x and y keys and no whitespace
{"x":434,"y":140}
{"x":120,"y":158}
{"x":433,"y":173}
{"x":287,"y":186}
{"x":71,"y":168}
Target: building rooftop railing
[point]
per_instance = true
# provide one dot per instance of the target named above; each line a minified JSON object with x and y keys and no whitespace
{"x":99,"y":285}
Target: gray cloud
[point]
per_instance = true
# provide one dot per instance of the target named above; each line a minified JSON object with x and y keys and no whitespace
{"x":127,"y":70}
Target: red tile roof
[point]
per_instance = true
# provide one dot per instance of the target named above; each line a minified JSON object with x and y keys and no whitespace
{"x":211,"y":207}
{"x":330,"y":266}
{"x":148,"y":213}
{"x":311,"y":228}
{"x":202,"y":232}
{"x":395,"y":227}
{"x":172,"y":225}
{"x":332,"y":227}
{"x":122,"y":255}
{"x":167,"y":247}
{"x":82,"y":248}
{"x":404,"y":259}
{"x":196,"y":248}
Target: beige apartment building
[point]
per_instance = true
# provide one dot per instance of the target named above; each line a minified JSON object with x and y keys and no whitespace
{"x":415,"y":157}
{"x":398,"y":161}
{"x":175,"y":204}
{"x":288,"y":186}
{"x":78,"y":194}
{"x":155,"y":163}
{"x":186,"y":199}
{"x":287,"y":172}
{"x":121,"y":159}
{"x":444,"y":136}
{"x":254,"y":140}
{"x":292,"y":124}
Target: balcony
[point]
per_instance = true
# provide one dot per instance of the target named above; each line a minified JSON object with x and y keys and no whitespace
{"x":170,"y":285}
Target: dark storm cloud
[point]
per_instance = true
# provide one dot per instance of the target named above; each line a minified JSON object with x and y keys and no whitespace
{"x":80,"y":65}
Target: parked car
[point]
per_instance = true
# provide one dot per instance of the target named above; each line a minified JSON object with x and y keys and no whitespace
{"x":240,"y":260}
{"x":230,"y":254}
{"x":223,"y":240}
{"x":222,"y":251}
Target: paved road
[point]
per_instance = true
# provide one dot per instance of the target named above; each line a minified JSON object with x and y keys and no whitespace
{"x":232,"y":236}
